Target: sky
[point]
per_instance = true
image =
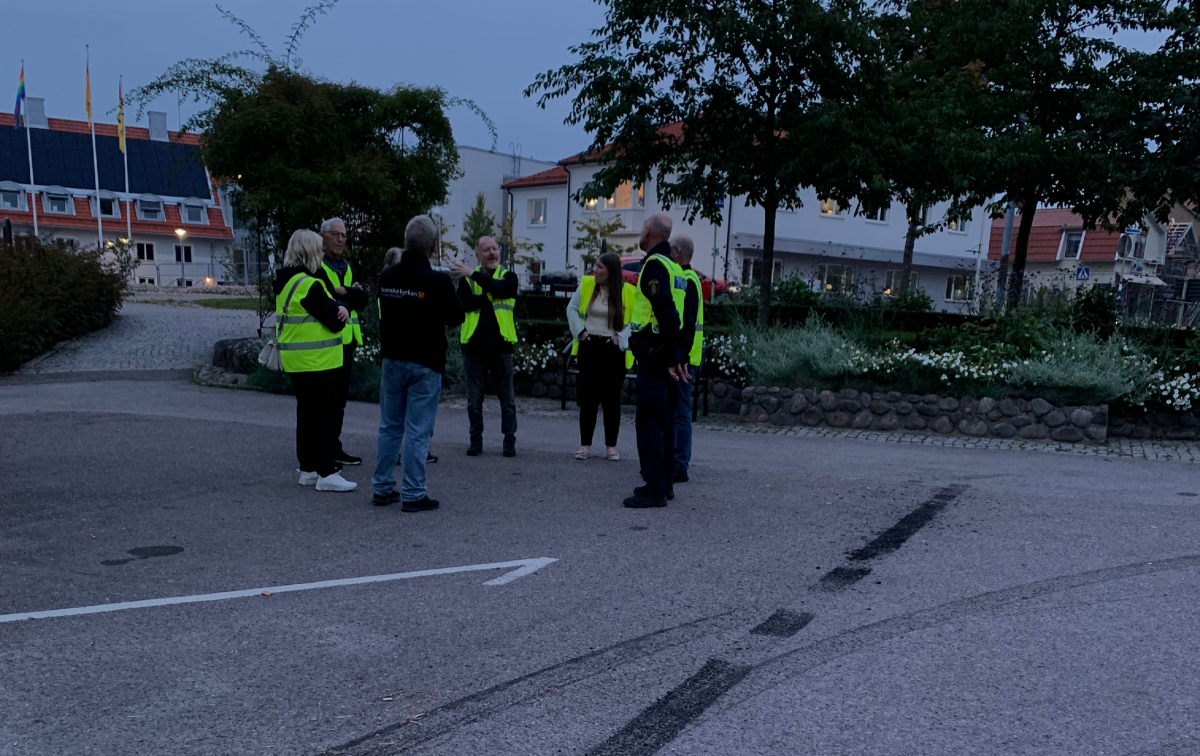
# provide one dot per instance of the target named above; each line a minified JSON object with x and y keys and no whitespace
{"x":481,"y":50}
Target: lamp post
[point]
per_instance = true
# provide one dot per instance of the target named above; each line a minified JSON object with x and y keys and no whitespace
{"x":181,"y":233}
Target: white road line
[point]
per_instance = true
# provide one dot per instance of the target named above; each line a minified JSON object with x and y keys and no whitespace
{"x":522,"y":567}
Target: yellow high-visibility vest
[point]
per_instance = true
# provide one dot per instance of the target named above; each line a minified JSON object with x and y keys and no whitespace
{"x":353,"y":330}
{"x":502,"y":307}
{"x":587,"y":285}
{"x":305,"y":344}
{"x":643,"y":313}
{"x":698,"y":342}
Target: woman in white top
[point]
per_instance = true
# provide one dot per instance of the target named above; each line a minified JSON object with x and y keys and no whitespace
{"x":599,"y":314}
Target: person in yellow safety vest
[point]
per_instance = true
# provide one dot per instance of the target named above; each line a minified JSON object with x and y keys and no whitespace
{"x":599,"y":315}
{"x":682,"y":249}
{"x":338,"y":278}
{"x":488,"y":293}
{"x":661,"y":346}
{"x":308,"y":328}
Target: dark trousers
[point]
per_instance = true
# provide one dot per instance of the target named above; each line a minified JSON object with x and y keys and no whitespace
{"x":601,"y":376}
{"x":316,"y":415}
{"x":657,"y":396}
{"x":342,"y":389}
{"x":500,"y":367}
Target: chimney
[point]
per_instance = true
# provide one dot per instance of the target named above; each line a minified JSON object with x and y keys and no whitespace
{"x":35,"y":113}
{"x":158,"y":126}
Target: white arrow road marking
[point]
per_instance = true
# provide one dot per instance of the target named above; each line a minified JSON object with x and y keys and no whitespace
{"x":523,"y":567}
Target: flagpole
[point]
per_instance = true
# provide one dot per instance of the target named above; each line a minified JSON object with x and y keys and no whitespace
{"x":125,"y":157}
{"x":29,"y":148}
{"x":95,"y":162}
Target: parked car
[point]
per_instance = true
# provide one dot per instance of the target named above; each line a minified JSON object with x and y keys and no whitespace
{"x":631,"y":267}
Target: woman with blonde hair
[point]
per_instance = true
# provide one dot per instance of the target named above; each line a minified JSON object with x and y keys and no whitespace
{"x":599,"y":314}
{"x":308,"y":327}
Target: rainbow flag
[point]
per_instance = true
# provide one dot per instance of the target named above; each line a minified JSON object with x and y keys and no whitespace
{"x":20,"y":98}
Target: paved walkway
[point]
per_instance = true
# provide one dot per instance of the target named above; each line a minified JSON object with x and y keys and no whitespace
{"x":148,"y":337}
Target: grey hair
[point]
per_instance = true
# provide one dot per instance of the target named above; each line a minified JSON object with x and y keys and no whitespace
{"x":479,"y":243}
{"x":420,"y":235}
{"x":328,"y":224}
{"x":684,"y":244}
{"x":660,"y":224}
{"x":392,"y":257}
{"x":304,"y":250}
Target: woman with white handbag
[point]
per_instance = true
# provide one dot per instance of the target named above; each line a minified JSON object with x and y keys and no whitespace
{"x":308,"y":322}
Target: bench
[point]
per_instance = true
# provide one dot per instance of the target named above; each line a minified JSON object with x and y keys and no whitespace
{"x":700,"y":384}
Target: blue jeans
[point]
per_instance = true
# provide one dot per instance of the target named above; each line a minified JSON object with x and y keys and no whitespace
{"x":683,"y":424}
{"x":408,"y":402}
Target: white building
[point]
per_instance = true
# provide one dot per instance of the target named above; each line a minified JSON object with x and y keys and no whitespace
{"x":831,"y":248}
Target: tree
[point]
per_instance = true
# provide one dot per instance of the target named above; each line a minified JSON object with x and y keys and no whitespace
{"x":712,"y":97}
{"x":478,"y":223}
{"x":296,"y":149}
{"x":593,"y":231}
{"x":1049,"y":104}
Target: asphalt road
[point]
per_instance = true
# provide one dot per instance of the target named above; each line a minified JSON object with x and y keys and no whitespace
{"x":806,"y":596}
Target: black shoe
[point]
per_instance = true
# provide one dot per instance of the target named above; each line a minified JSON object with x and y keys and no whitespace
{"x":647,"y":491}
{"x":382,"y":500}
{"x":645,"y":501}
{"x":431,"y":458}
{"x":424,"y":505}
{"x":681,"y":476}
{"x":510,"y":448}
{"x":343,"y":458}
{"x":475,"y":449}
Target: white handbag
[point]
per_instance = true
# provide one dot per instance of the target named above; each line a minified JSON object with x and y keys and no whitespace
{"x":268,"y":356}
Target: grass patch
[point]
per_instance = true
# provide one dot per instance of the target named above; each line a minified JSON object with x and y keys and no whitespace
{"x":229,"y":303}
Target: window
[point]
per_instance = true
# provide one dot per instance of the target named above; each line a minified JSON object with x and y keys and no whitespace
{"x":958,"y":288}
{"x":145,"y":251}
{"x":959,"y":226}
{"x":150,"y":210}
{"x":889,"y":281}
{"x":752,"y":271}
{"x":831,"y":208}
{"x":10,"y":200}
{"x":58,"y":203}
{"x":537,"y":212}
{"x":836,"y":279}
{"x":879,"y":215}
{"x":1072,"y":245}
{"x":626,"y":196}
{"x":146,"y":281}
{"x":108,"y":207}
{"x":193,"y":214}
{"x":183,"y":253}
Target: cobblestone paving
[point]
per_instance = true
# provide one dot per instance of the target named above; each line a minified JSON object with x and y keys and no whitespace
{"x":148,"y":337}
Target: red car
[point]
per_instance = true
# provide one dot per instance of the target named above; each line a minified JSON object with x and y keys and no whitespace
{"x":632,"y":266}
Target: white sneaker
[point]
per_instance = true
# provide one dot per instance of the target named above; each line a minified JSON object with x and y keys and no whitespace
{"x":335,"y":482}
{"x":308,"y":478}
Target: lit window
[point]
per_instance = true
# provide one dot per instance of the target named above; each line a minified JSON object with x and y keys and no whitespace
{"x":958,"y":225}
{"x":1072,"y":245}
{"x":831,"y":208}
{"x":10,"y":200}
{"x":150,"y":210}
{"x":145,"y":251}
{"x":193,"y":214}
{"x":889,"y":283}
{"x":537,"y":212}
{"x":879,"y":214}
{"x":836,"y":279}
{"x":58,"y":203}
{"x":958,"y":288}
{"x":626,"y":196}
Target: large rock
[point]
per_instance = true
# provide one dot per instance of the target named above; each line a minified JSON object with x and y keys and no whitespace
{"x":1004,"y":430}
{"x":850,"y":405}
{"x":903,"y":408}
{"x":1054,"y":418}
{"x":1020,"y":421}
{"x":752,"y":413}
{"x":812,"y":416}
{"x":837,"y":419}
{"x":797,"y":404}
{"x":747,"y":393}
{"x":1009,"y":408}
{"x":769,"y":402}
{"x":1035,"y":431}
{"x":947,"y":404}
{"x":1040,"y":407}
{"x":928,"y":410}
{"x":237,"y":355}
{"x":1067,"y":433}
{"x":720,"y":389}
{"x":828,"y":401}
{"x":986,"y":405}
{"x":1097,"y":433}
{"x":1082,"y":418}
{"x":862,"y":420}
{"x":782,"y":418}
{"x":941,"y":424}
{"x":972,"y":426}
{"x":914,"y":422}
{"x":889,"y":422}
{"x":880,"y":407}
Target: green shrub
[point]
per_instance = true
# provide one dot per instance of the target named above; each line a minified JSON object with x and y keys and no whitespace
{"x":1081,"y":368}
{"x":50,"y":292}
{"x":794,"y":291}
{"x":809,"y":356}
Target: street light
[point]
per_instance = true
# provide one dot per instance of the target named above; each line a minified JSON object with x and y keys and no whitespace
{"x":181,"y":233}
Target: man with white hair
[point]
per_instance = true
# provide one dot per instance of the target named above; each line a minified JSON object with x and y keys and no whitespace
{"x":335,"y":273}
{"x":417,"y":304}
{"x":692,"y":334}
{"x":656,"y":332}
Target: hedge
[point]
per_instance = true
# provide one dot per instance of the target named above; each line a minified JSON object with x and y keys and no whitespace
{"x":50,"y":292}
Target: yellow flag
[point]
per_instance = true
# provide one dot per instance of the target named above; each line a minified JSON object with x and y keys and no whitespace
{"x":89,"y":92}
{"x":121,"y":115}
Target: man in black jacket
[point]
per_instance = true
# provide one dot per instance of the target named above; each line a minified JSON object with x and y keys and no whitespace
{"x":339,"y":281}
{"x":417,"y":304}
